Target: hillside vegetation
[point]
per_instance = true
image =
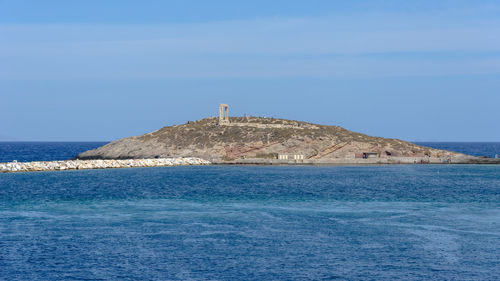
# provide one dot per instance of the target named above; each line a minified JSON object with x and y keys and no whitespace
{"x":256,"y":137}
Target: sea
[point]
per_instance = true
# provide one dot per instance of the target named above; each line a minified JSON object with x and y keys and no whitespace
{"x":387,"y":222}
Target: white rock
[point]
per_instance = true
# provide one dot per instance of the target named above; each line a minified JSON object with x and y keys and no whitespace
{"x":98,"y":164}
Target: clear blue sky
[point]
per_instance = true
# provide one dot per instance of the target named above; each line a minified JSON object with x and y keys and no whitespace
{"x":102,"y":70}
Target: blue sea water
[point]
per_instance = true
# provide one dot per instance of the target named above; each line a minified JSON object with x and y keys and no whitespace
{"x":409,"y":222}
{"x":489,"y":149}
{"x":43,"y":151}
{"x":439,"y":222}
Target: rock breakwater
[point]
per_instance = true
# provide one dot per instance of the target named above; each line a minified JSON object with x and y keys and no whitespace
{"x":97,"y":164}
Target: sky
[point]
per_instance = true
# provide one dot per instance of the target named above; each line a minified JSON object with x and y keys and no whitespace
{"x":96,"y":70}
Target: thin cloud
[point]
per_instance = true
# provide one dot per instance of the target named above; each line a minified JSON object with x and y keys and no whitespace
{"x":339,"y":47}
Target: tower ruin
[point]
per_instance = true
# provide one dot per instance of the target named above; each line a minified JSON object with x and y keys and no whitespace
{"x":223,"y":114}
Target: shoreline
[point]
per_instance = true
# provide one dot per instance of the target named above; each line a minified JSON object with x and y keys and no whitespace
{"x":368,"y":161}
{"x":63,"y":165}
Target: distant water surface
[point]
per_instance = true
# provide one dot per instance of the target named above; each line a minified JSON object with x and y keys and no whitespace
{"x":43,"y":151}
{"x":489,"y":149}
{"x":405,"y":222}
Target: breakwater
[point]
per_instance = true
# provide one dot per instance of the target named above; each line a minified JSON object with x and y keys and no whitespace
{"x":97,"y":164}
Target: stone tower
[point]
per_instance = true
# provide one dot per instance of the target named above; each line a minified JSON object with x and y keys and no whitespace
{"x":223,"y":118}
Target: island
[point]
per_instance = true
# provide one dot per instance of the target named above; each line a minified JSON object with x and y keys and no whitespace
{"x":250,"y":140}
{"x":262,"y":140}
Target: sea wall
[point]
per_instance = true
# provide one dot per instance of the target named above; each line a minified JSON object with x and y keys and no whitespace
{"x":97,"y":164}
{"x":360,"y":161}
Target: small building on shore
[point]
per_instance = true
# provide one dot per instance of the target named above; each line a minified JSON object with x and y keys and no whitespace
{"x":290,"y":156}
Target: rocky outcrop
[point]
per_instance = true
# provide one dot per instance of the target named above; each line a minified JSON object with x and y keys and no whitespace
{"x":96,"y":164}
{"x":260,"y":138}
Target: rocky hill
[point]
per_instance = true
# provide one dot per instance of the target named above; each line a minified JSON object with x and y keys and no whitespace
{"x":258,"y":138}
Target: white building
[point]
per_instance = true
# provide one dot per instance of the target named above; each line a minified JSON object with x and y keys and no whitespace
{"x":290,"y":156}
